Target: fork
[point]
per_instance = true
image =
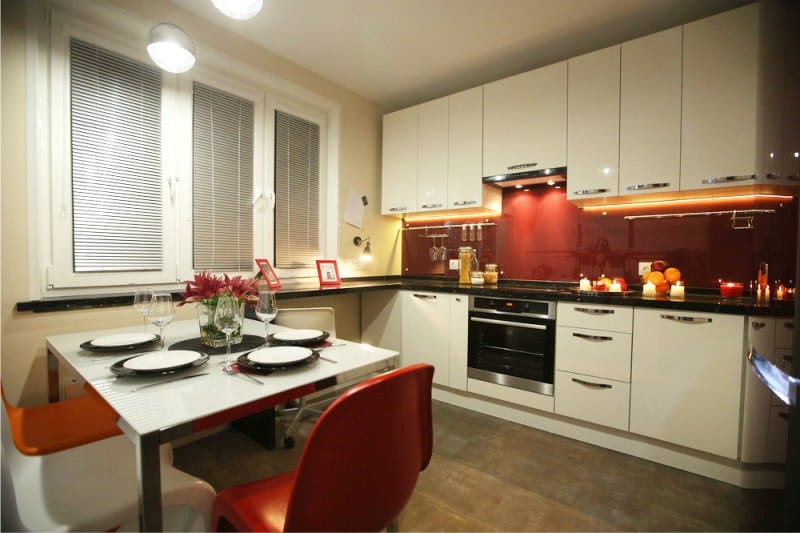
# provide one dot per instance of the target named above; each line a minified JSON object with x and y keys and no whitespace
{"x":231,"y":372}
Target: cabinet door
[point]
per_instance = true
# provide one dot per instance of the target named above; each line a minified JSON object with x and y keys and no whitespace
{"x":399,"y":166}
{"x":464,"y":183}
{"x":686,"y":379}
{"x":719,"y":109}
{"x":525,"y":121}
{"x":432,"y":162}
{"x":459,"y":326}
{"x":426,"y":332}
{"x":650,"y":113}
{"x":593,"y":125}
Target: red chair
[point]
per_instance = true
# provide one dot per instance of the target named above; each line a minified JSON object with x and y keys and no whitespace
{"x":358,"y":468}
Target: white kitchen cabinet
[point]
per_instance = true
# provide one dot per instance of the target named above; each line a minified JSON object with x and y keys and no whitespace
{"x":432,"y":155}
{"x":686,"y":378}
{"x":525,"y":121}
{"x":650,"y":113}
{"x":399,"y":165}
{"x":434,"y":332}
{"x":593,"y":399}
{"x":719,"y":132}
{"x":593,"y":124}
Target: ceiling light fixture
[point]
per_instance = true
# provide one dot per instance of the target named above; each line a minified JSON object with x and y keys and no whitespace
{"x":239,"y":9}
{"x":170,"y":48}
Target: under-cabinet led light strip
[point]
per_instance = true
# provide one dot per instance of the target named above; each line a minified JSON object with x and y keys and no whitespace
{"x":664,"y":203}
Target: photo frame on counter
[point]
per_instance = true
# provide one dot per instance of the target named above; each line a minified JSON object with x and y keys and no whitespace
{"x":269,"y":273}
{"x":328,"y":272}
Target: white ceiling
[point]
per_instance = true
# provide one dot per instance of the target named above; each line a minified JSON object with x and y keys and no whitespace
{"x":403,"y":52}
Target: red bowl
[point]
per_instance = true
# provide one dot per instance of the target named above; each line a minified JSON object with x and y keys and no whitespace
{"x":730,"y":289}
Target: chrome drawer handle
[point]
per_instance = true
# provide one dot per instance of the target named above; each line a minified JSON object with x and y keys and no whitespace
{"x":592,"y":384}
{"x":504,"y":323}
{"x":424,"y":296}
{"x":787,"y":358}
{"x":398,"y":209}
{"x":793,"y":178}
{"x":773,"y":176}
{"x":465,"y":202}
{"x":590,"y":311}
{"x":522,"y":165}
{"x":592,"y":337}
{"x":726,"y":179}
{"x":759,"y":325}
{"x":644,"y":186}
{"x":591,"y":191}
{"x":783,"y":415}
{"x":788,"y":325}
{"x":431,"y":206}
{"x":690,"y":319}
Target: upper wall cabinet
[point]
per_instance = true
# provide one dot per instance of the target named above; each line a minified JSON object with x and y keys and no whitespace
{"x":720,"y":127}
{"x":650,"y":113}
{"x":790,"y":151}
{"x":593,"y":124}
{"x":432,"y":155}
{"x":525,"y":121}
{"x":399,"y":166}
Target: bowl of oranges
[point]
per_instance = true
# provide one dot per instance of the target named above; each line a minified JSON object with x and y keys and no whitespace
{"x":662,"y":275}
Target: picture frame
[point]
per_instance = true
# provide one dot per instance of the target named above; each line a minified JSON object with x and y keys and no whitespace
{"x":328,"y":272}
{"x":269,"y":273}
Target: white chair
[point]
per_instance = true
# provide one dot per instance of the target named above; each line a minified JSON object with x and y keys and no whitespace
{"x":92,"y":487}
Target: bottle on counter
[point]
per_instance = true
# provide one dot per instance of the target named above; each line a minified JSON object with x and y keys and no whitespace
{"x":464,"y":264}
{"x":490,"y":275}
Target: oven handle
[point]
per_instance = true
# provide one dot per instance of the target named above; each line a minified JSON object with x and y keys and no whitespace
{"x":592,"y":384}
{"x":592,"y":337}
{"x":504,"y":323}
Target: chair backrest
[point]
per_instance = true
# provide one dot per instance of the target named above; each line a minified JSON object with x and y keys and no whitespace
{"x":362,"y":459}
{"x":323,"y":318}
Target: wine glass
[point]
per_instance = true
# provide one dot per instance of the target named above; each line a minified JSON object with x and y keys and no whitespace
{"x":266,"y":309}
{"x":162,"y":311}
{"x":228,"y":317}
{"x":141,"y":303}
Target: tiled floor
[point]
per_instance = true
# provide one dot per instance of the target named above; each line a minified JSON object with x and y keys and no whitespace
{"x":492,"y":475}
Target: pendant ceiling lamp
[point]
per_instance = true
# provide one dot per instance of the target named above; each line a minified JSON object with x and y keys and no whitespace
{"x":239,"y":9}
{"x":170,"y":48}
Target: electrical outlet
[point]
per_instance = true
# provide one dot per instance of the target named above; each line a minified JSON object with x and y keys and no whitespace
{"x":453,"y":264}
{"x":644,"y":267}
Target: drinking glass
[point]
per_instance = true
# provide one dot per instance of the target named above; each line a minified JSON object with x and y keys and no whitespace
{"x":228,"y":317}
{"x":266,"y":309}
{"x":162,"y":311}
{"x":141,"y":303}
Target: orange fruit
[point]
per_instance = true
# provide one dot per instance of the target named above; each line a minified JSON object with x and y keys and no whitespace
{"x":672,"y":274}
{"x":656,"y":277}
{"x":662,"y":287}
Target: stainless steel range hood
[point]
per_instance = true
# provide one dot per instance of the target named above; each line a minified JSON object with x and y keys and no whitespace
{"x":532,"y":178}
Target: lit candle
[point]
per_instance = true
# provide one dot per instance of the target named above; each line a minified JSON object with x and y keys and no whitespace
{"x":585,"y":285}
{"x":649,"y":289}
{"x":615,"y":287}
{"x":781,"y":292}
{"x":677,"y":291}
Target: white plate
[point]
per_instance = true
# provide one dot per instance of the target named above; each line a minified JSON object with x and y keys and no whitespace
{"x":280,"y":355}
{"x":297,"y":334}
{"x":124,"y":339}
{"x":162,"y":360}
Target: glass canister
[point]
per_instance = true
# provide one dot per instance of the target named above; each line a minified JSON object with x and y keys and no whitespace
{"x":490,"y":276}
{"x":464,"y":261}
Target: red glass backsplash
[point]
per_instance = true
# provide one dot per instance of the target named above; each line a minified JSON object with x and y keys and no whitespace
{"x":541,"y":236}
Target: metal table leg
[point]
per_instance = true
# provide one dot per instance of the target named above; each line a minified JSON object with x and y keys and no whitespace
{"x":148,"y":466}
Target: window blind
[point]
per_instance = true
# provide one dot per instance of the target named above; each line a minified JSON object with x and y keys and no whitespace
{"x":115,"y":113}
{"x":222,"y":165}
{"x":297,"y":191}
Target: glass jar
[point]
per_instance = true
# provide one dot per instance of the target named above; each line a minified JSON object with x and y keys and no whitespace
{"x":490,"y":276}
{"x":464,"y":262}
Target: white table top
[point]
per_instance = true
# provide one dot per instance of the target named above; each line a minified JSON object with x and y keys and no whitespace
{"x":160,"y":407}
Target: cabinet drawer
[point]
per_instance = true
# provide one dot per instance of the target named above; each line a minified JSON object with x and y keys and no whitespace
{"x":784,"y":332}
{"x":600,"y":401}
{"x":777,"y":434}
{"x":604,"y":354}
{"x":604,"y":317}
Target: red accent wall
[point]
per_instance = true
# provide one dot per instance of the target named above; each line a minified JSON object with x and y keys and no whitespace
{"x":542,"y":236}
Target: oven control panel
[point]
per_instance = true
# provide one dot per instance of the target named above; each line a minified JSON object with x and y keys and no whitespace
{"x":513,"y":306}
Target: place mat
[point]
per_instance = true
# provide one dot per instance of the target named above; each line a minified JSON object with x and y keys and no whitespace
{"x":249,"y":342}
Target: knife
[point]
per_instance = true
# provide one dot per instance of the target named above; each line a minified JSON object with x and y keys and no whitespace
{"x":168,"y":381}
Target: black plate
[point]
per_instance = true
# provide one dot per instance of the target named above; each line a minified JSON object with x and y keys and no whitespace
{"x":120,"y":370}
{"x":261,"y":367}
{"x":89,"y":347}
{"x":300,"y":342}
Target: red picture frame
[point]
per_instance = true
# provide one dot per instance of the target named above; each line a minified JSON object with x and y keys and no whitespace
{"x":269,"y":274}
{"x":328,"y":272}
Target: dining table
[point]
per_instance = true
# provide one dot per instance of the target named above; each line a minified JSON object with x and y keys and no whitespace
{"x":158,"y":408}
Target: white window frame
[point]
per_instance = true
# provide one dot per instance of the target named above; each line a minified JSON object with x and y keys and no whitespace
{"x":51,"y":22}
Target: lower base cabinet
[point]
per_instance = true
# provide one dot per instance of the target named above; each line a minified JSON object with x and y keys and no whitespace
{"x":597,"y":400}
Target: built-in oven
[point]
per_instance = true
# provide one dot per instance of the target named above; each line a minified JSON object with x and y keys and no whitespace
{"x":512,"y":342}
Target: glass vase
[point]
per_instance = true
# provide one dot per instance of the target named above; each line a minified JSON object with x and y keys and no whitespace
{"x":210,"y":335}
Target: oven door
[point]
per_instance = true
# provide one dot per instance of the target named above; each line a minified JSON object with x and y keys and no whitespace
{"x":515,"y":351}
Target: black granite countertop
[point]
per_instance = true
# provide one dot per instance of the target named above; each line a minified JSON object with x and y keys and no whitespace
{"x":703,"y":300}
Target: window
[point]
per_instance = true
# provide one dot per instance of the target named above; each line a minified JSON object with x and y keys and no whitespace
{"x":297,"y":191}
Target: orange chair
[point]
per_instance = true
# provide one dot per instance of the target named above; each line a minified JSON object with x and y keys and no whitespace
{"x":58,"y":426}
{"x":358,"y":468}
